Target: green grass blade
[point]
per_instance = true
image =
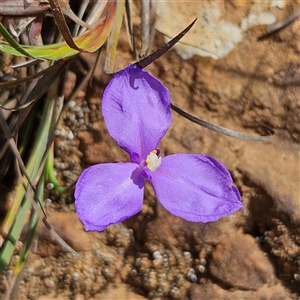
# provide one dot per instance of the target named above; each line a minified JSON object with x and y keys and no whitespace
{"x":18,"y":269}
{"x":12,"y":42}
{"x":50,"y":173}
{"x":32,"y":226}
{"x":90,"y":40}
{"x":15,"y":218}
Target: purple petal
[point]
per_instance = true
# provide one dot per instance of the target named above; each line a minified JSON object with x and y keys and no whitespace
{"x":136,"y":109}
{"x":108,"y":193}
{"x":195,"y":187}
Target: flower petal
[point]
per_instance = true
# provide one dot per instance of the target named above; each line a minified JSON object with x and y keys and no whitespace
{"x":108,"y":193}
{"x":136,"y":109}
{"x":195,"y":187}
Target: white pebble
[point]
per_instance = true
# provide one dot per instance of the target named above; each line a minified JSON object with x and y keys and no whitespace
{"x":72,"y":103}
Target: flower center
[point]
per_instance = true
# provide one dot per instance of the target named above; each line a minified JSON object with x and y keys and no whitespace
{"x":153,"y":161}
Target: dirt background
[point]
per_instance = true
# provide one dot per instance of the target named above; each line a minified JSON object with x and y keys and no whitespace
{"x":252,"y":254}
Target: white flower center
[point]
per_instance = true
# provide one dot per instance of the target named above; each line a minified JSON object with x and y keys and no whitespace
{"x":153,"y":161}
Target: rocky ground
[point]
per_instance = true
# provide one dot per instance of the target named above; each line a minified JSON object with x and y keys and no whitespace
{"x":252,"y":254}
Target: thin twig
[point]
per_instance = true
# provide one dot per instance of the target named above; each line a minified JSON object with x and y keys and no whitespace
{"x":223,"y":130}
{"x":143,"y":63}
{"x":280,"y":25}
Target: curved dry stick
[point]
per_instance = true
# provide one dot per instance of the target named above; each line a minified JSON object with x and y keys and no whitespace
{"x":49,"y":76}
{"x":62,"y":24}
{"x":143,"y":63}
{"x":223,"y":130}
{"x":280,"y":25}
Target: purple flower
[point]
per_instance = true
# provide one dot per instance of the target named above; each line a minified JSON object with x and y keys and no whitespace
{"x":136,"y":109}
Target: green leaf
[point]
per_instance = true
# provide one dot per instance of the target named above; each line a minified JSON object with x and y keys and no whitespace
{"x":90,"y":40}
